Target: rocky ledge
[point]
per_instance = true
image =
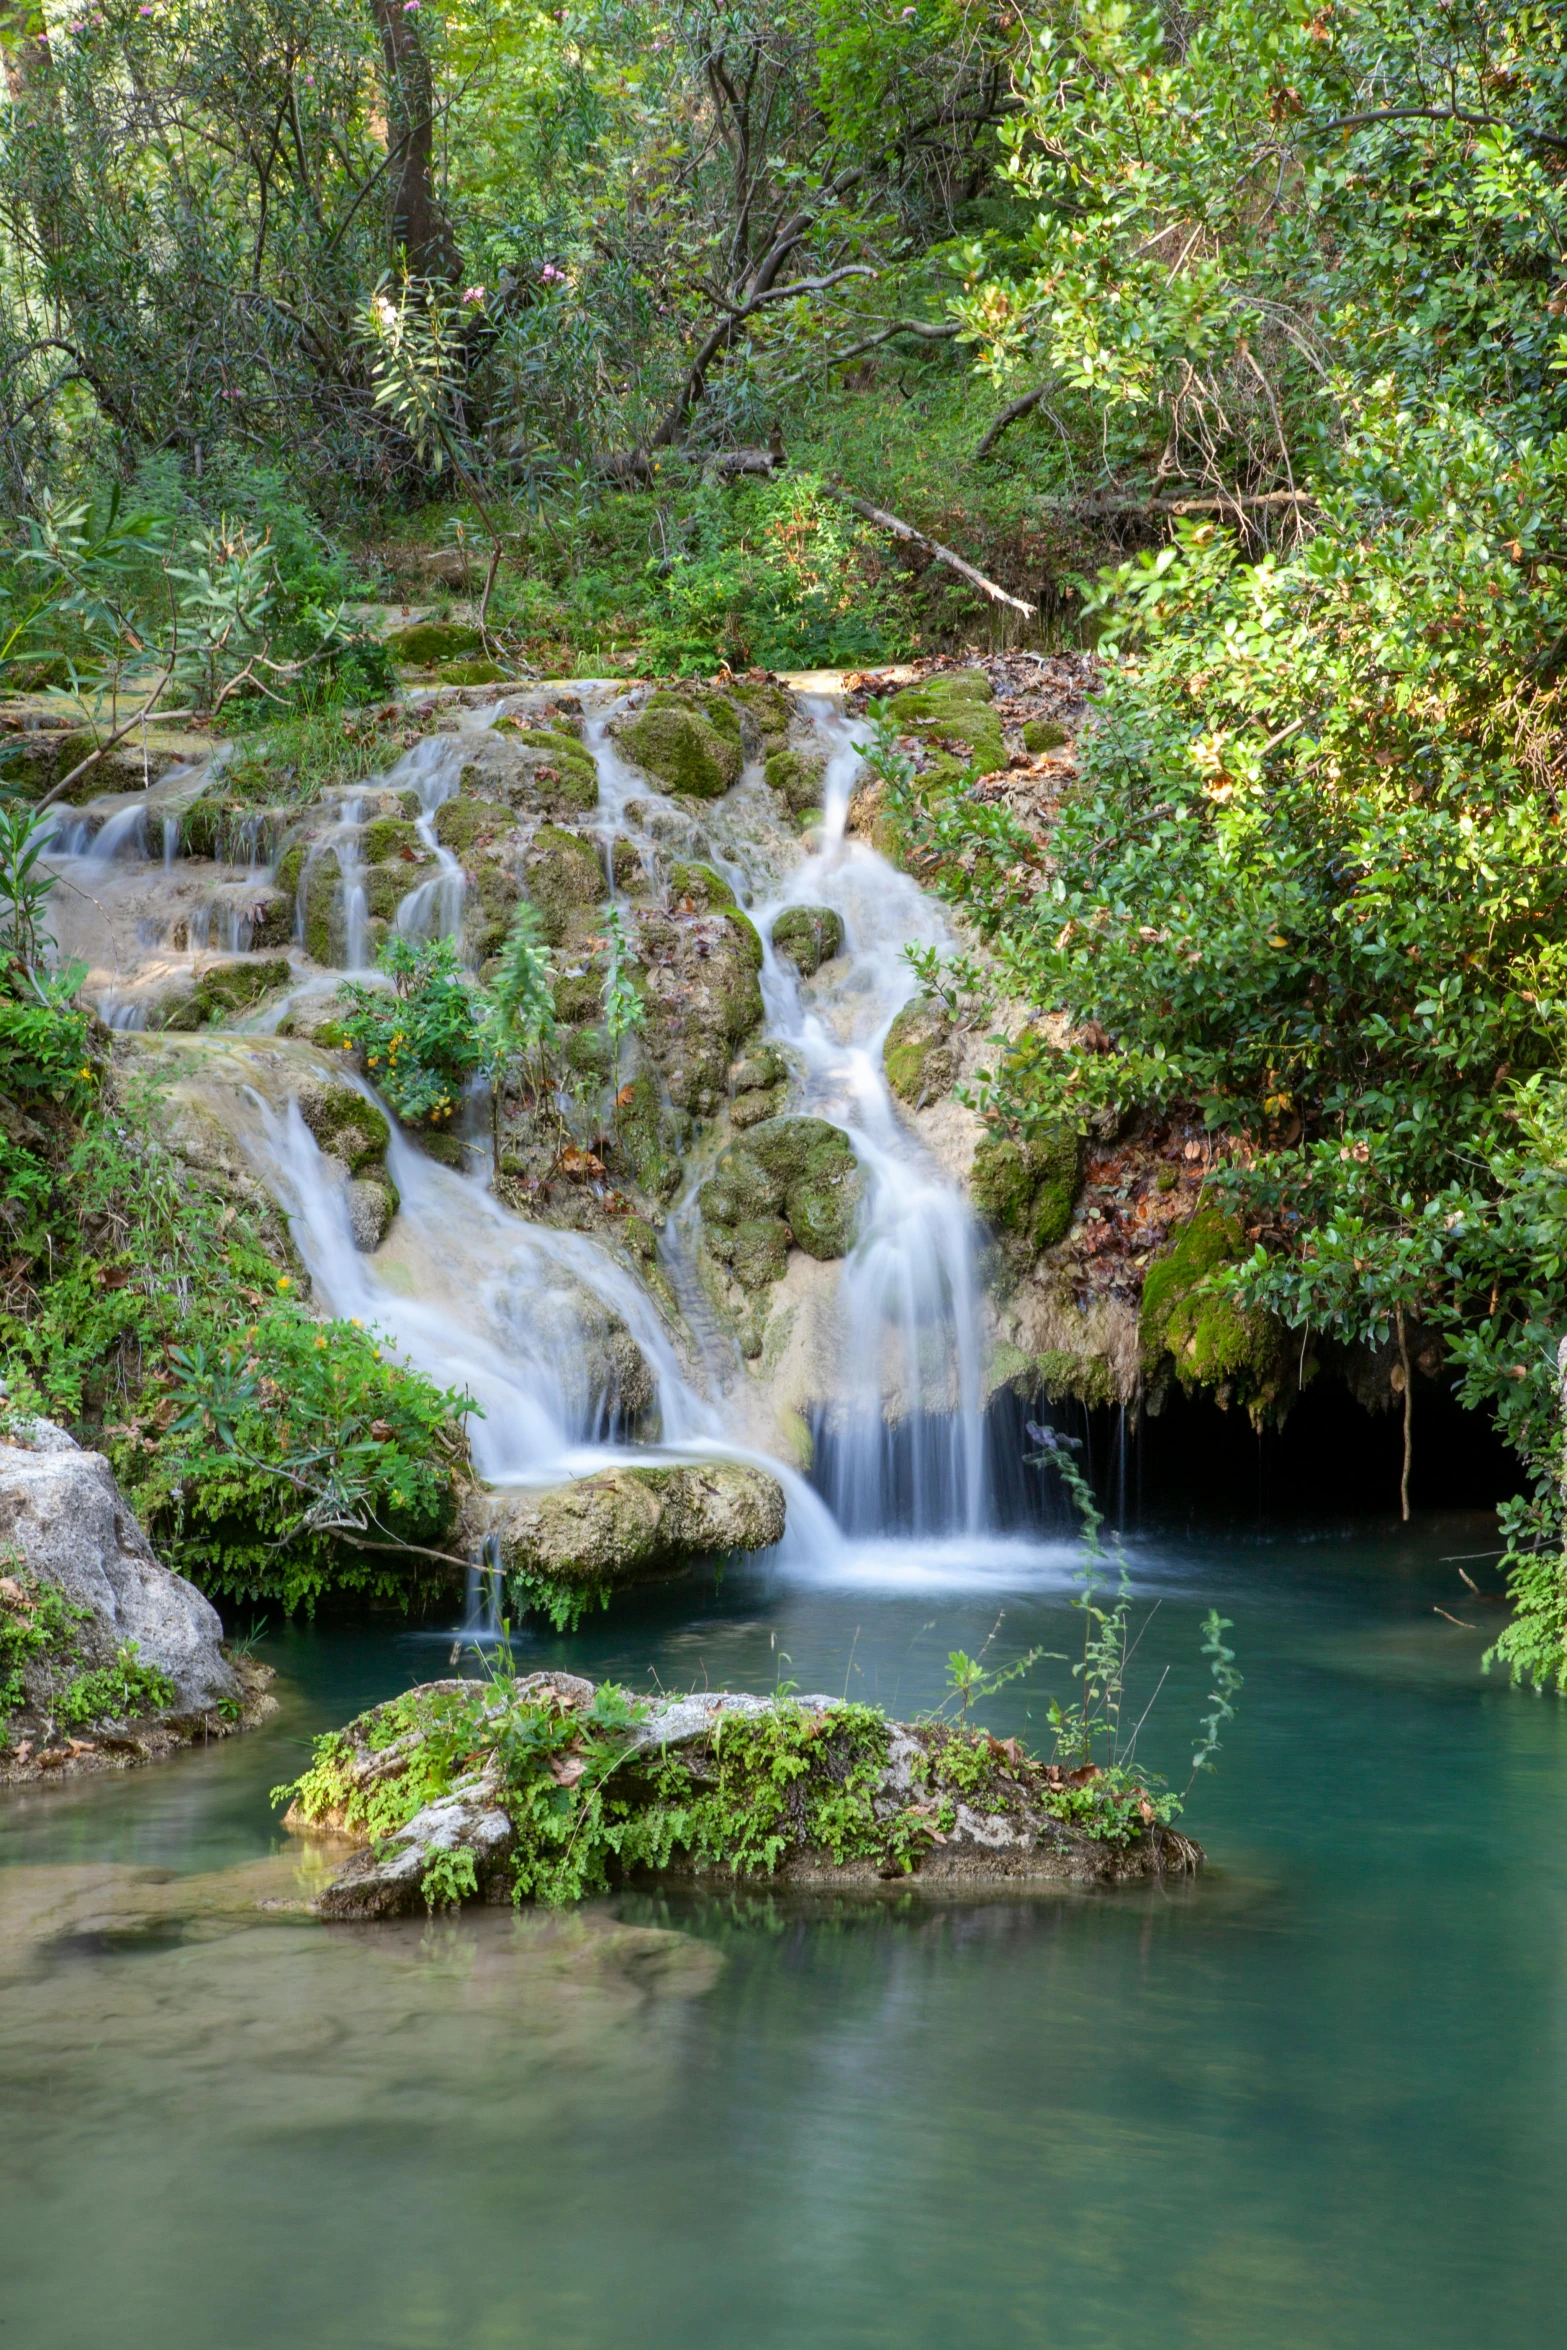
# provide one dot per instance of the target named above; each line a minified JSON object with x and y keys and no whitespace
{"x":548,"y":1787}
{"x":106,"y":1658}
{"x":565,"y":1547}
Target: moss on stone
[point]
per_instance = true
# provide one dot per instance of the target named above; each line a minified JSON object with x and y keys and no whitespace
{"x":796,"y":776}
{"x":952,"y":707}
{"x":1043,"y":734}
{"x":577,"y":996}
{"x":759,"y":1071}
{"x":683,"y":749}
{"x":481,"y":672}
{"x":919,"y":1056}
{"x":749,"y":1109}
{"x":430,"y":641}
{"x":808,"y":936}
{"x":565,"y":878}
{"x":1027,"y":1188}
{"x":1210,"y":1338}
{"x":765,"y":704}
{"x":387,"y":836}
{"x":706,"y":891}
{"x":345,"y":1125}
{"x":756,"y":1250}
{"x":462,"y":822}
{"x":1087,"y":1379}
{"x":226,"y":988}
{"x":385,"y":887}
{"x":804,"y":1167}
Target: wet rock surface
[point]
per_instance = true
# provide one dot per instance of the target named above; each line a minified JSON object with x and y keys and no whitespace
{"x":632,"y":1521}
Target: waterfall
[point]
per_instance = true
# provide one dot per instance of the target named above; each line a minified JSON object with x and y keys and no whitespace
{"x":433,"y":769}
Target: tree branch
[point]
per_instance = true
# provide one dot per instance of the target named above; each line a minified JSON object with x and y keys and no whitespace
{"x":933,"y":547}
{"x":1487,"y":122}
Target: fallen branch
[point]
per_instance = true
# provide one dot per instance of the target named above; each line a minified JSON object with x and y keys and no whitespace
{"x":93,"y":757}
{"x":1022,"y":407}
{"x":1229,"y":502}
{"x":933,"y":547}
{"x":903,"y":326}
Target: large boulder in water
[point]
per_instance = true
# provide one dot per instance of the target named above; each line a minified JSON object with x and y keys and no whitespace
{"x":84,"y":1604}
{"x":800,"y":1169}
{"x":441,"y":1787}
{"x":570,"y":1544}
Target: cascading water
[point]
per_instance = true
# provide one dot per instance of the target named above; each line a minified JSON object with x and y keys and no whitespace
{"x":433,"y":769}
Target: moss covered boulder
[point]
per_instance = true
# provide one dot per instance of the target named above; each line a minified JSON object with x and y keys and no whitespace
{"x":796,"y":776}
{"x":920,"y":1055}
{"x":1026,"y":1190}
{"x":566,"y":1545}
{"x":1191,"y":1326}
{"x":807,"y":937}
{"x":223,"y":991}
{"x":684,"y":749}
{"x":430,"y":641}
{"x":950,"y":712}
{"x":464,"y":824}
{"x":546,"y":1787}
{"x":801,"y":1172}
{"x":702,"y":988}
{"x":346,"y":1126}
{"x":565,"y":879}
{"x":1043,"y":734}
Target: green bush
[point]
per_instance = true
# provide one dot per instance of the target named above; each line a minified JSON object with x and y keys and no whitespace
{"x":423,"y":1042}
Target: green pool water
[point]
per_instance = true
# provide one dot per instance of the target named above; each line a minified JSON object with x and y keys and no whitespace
{"x":1315,"y":2102}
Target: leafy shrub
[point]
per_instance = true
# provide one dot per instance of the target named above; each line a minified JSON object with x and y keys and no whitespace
{"x":423,"y":1042}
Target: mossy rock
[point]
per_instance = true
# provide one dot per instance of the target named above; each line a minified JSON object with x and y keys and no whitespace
{"x":1027,"y":1188}
{"x":765,"y":704}
{"x":756,"y":1250}
{"x":701,"y":889}
{"x":554,"y":739}
{"x":386,"y":886}
{"x":1043,"y":734}
{"x":919,"y":1055}
{"x":1085,"y":1379}
{"x":796,"y":776}
{"x":759,"y":1071}
{"x":577,"y":996}
{"x":808,"y":937}
{"x":751,"y":954}
{"x":430,"y":641}
{"x":565,"y":878}
{"x":462,"y":823}
{"x":386,"y":837}
{"x":648,"y":1137}
{"x":224,"y":989}
{"x":953,"y":708}
{"x":802,"y":1166}
{"x":749,"y":1109}
{"x":1209,"y":1338}
{"x":345,"y":1125}
{"x":471,"y":673}
{"x":683,"y":749}
{"x":587,"y":1052}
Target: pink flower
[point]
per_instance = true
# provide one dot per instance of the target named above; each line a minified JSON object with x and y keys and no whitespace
{"x":473,"y":294}
{"x":551,"y":275}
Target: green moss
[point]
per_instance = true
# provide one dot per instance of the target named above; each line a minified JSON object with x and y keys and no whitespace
{"x":683,"y":749}
{"x":951,"y":708}
{"x":751,"y":955}
{"x":553,"y":739}
{"x":1089,"y":1379}
{"x":1027,"y":1189}
{"x":796,"y":776}
{"x":1043,"y":734}
{"x":756,"y":1249}
{"x":565,"y":879}
{"x":1211,"y":1339}
{"x":707,"y":891}
{"x":462,"y":822}
{"x":429,"y":641}
{"x":918,"y":1053}
{"x":471,"y":673}
{"x":805,"y":1168}
{"x":808,"y":936}
{"x":345,"y":1125}
{"x":225,"y":989}
{"x":387,"y":836}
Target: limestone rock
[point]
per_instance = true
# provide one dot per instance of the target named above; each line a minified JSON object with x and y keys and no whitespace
{"x":219,"y":992}
{"x":919,"y":1054}
{"x":808,"y":937}
{"x":803,"y":1167}
{"x":371,"y":1207}
{"x":345,"y":1124}
{"x":64,"y":1518}
{"x":796,"y":776}
{"x":625,"y":1523}
{"x":1027,"y":1189}
{"x":683,"y":748}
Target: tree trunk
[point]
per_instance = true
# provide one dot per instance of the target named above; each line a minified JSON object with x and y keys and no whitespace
{"x":418,"y":218}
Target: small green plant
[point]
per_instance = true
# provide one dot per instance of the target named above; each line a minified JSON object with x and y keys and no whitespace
{"x":424,"y":1041}
{"x":449,"y":1879}
{"x":115,"y":1692}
